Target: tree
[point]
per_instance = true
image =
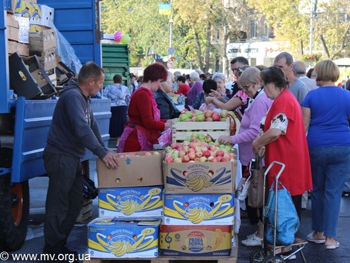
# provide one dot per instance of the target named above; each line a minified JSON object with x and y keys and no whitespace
{"x":293,"y":26}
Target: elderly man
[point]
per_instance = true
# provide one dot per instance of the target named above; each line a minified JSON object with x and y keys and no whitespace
{"x":284,"y":61}
{"x":299,"y":70}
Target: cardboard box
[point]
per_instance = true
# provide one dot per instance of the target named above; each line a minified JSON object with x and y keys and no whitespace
{"x":135,"y":169}
{"x":131,"y":202}
{"x":195,"y":209}
{"x":29,"y":79}
{"x":195,"y":241}
{"x":209,"y":177}
{"x":110,"y":238}
{"x":43,"y":41}
{"x":178,"y":100}
{"x":41,"y":15}
{"x":10,"y":5}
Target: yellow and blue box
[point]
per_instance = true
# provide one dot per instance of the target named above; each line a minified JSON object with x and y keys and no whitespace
{"x":131,"y":202}
{"x":207,"y":178}
{"x":111,"y":238}
{"x":195,"y":209}
{"x":195,"y":241}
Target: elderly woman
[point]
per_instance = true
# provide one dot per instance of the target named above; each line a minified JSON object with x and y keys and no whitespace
{"x":284,"y":137}
{"x":252,"y":85}
{"x":165,"y":104}
{"x":329,"y":146}
{"x":196,"y":88}
{"x":144,"y":126}
{"x":239,"y":100}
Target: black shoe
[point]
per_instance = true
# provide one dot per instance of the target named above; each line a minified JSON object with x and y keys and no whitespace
{"x":69,"y":252}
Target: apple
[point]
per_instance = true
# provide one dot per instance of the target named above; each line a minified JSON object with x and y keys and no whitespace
{"x":199,"y":154}
{"x":177,"y":160}
{"x":148,"y":154}
{"x":185,"y":159}
{"x":207,"y":153}
{"x":215,"y":117}
{"x":208,"y":114}
{"x":168,"y":159}
{"x":192,"y":155}
{"x":202,"y":159}
{"x":183,"y":117}
{"x":220,"y":153}
{"x":215,"y":160}
{"x":182,"y":153}
{"x":223,"y":159}
{"x":223,"y":114}
{"x":200,"y":117}
{"x":208,"y":119}
{"x":207,"y":138}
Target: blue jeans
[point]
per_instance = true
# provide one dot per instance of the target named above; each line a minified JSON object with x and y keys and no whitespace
{"x":330,"y":169}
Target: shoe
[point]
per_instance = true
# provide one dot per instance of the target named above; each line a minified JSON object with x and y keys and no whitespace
{"x":310,"y":237}
{"x":292,"y":257}
{"x":252,"y":242}
{"x":252,"y":235}
{"x":334,"y":246}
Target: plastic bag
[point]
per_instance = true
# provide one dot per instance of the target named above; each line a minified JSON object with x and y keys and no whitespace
{"x":67,"y":53}
{"x":287,"y":218}
{"x":165,"y":138}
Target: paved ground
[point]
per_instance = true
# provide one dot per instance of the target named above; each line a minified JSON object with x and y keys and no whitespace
{"x":78,"y":241}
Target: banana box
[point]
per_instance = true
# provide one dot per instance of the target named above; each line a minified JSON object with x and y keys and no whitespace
{"x":195,"y":209}
{"x":131,"y":202}
{"x":111,"y":238}
{"x":135,"y":169}
{"x":209,"y":177}
{"x":195,"y":241}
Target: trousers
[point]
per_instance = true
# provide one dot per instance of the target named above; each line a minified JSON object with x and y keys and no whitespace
{"x":64,"y":199}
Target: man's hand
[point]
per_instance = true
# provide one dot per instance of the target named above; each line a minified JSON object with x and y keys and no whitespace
{"x":111,"y":160}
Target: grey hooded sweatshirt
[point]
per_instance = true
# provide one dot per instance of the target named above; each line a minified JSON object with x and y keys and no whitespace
{"x":73,"y":127}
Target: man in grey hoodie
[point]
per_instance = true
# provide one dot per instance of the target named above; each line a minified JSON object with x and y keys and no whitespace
{"x":73,"y":129}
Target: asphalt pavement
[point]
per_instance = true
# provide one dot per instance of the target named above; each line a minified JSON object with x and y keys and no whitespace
{"x":314,"y":253}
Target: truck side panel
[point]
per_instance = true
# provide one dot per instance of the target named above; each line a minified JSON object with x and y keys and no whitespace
{"x":32,"y":124}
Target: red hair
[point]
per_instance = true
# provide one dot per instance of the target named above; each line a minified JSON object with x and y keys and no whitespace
{"x":155,"y":72}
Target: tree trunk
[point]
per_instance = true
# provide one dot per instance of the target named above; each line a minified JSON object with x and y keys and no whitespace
{"x":198,"y":44}
{"x":323,"y":41}
{"x":207,"y":49}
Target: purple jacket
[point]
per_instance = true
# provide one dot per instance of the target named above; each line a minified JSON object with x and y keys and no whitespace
{"x":193,"y":92}
{"x":250,"y":127}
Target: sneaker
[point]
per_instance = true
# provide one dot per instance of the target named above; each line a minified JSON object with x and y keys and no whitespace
{"x":252,"y":235}
{"x":252,"y":242}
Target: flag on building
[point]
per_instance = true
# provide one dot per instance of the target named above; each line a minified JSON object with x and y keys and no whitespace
{"x":164,"y":9}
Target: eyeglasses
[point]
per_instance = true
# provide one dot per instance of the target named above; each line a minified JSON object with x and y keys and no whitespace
{"x":247,"y":87}
{"x":239,"y":69}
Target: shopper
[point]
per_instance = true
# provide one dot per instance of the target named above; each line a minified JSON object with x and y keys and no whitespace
{"x":284,"y":137}
{"x":329,"y":146}
{"x":73,"y":129}
{"x":251,"y":83}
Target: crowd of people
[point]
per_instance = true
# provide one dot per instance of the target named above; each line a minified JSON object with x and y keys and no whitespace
{"x":284,"y":109}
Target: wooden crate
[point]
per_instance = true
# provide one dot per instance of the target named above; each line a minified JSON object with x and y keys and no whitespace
{"x":42,"y":41}
{"x":20,"y":48}
{"x":182,"y":130}
{"x":231,"y":259}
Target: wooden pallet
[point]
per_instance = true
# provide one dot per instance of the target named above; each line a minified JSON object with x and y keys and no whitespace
{"x":231,"y":259}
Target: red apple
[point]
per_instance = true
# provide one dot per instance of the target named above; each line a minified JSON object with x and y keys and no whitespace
{"x":206,"y":153}
{"x":168,"y":159}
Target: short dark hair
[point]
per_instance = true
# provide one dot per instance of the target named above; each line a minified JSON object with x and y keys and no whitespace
{"x":287,"y":56}
{"x":89,"y":70}
{"x":203,"y":76}
{"x":181,"y":78}
{"x":209,"y":85}
{"x":276,"y":76}
{"x":241,"y":60}
{"x":155,"y":72}
{"x":117,"y":78}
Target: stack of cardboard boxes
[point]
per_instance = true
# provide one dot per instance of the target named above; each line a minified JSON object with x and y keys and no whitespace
{"x":198,"y":209}
{"x":130,"y":208}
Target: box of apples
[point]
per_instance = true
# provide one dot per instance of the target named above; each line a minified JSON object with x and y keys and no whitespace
{"x":135,"y":169}
{"x":214,"y":122}
{"x":199,"y":166}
